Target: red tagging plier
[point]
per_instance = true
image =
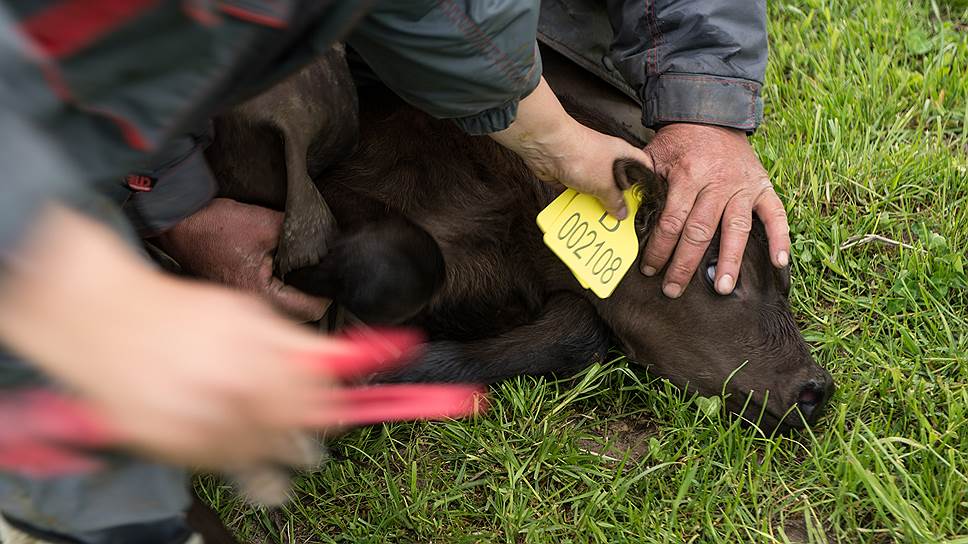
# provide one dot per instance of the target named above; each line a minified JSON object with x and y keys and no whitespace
{"x":380,"y":350}
{"x":44,"y":433}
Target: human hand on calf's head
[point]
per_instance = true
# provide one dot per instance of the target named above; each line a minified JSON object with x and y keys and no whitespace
{"x":715,"y":179}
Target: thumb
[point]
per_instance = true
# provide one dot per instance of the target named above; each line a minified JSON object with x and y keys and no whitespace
{"x":612,"y":197}
{"x":613,"y":201}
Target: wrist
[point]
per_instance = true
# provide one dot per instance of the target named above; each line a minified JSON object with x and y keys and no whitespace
{"x":63,"y":292}
{"x":543,"y":132}
{"x":676,"y":143}
{"x":703,"y":128}
{"x":543,"y":151}
{"x":692,"y":136}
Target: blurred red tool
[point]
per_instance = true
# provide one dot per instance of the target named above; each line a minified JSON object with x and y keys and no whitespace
{"x":40,"y":429}
{"x":377,"y":350}
{"x":43,"y":433}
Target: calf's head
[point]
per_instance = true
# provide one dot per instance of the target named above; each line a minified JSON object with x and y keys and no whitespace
{"x":745,"y":345}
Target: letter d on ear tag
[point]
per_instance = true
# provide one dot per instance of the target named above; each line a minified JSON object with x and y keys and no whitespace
{"x":596,"y":247}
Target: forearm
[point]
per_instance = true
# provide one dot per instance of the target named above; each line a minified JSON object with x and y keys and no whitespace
{"x":538,"y":131}
{"x":466,"y":61}
{"x":60,"y":290}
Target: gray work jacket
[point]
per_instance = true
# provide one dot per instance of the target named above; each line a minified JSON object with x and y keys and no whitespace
{"x":682,"y":61}
{"x":81,"y":108}
{"x":90,"y":91}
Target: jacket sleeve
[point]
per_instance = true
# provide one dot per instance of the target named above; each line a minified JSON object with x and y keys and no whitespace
{"x":33,"y":174}
{"x":693,"y":61}
{"x":32,"y":171}
{"x":455,"y":59}
{"x":180,"y":180}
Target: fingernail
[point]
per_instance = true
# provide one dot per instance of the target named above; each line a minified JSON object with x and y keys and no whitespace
{"x":648,"y":270}
{"x":725,"y":285}
{"x":783,"y":258}
{"x":672,"y":290}
{"x":622,"y":213}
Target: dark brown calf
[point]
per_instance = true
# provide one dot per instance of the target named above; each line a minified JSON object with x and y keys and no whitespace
{"x":420,"y":205}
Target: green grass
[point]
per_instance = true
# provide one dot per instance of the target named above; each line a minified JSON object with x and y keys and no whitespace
{"x":865,"y":134}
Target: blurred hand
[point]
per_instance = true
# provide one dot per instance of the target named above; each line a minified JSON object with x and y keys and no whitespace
{"x":233,"y":244}
{"x":557,"y":148}
{"x":714,"y":178}
{"x":184,"y":371}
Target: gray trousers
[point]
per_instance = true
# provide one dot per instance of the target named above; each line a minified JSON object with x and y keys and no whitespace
{"x":126,"y":491}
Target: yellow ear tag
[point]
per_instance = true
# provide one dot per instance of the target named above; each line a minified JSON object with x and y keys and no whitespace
{"x":598,"y":248}
{"x":548,"y":215}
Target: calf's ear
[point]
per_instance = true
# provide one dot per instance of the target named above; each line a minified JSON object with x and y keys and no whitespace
{"x":651,"y":188}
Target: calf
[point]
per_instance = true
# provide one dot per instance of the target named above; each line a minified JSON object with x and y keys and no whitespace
{"x":435,"y":229}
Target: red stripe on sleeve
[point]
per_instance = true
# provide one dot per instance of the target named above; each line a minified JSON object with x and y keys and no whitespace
{"x":253,"y":17}
{"x":69,"y":25}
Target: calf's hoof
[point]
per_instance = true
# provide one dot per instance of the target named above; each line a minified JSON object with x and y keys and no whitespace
{"x":384,"y":273}
{"x":308,"y":230}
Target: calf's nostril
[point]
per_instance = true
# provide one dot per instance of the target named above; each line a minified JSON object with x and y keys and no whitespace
{"x":808,"y":396}
{"x":811,"y":398}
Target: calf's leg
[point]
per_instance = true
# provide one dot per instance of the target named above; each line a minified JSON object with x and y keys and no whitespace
{"x":383,"y":272}
{"x":268,"y":150}
{"x":309,"y":226}
{"x":205,"y":521}
{"x":565,"y":338}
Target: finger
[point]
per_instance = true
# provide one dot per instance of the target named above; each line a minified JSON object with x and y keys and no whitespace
{"x":295,"y":303}
{"x":293,"y":448}
{"x":380,"y":349}
{"x":641,"y":156}
{"x":770,"y":210}
{"x":696,"y":234}
{"x":403,"y":402}
{"x":668,"y":229}
{"x":736,"y":224}
{"x":609,"y":194}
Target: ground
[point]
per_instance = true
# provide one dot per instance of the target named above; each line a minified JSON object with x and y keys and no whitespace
{"x":865,"y":139}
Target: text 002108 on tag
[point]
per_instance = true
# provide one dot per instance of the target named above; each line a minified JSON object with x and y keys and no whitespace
{"x":597,"y":248}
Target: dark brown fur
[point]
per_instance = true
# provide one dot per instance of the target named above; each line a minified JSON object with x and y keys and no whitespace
{"x":290,"y":133}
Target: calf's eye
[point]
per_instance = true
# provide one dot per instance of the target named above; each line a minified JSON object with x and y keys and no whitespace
{"x":711,"y":272}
